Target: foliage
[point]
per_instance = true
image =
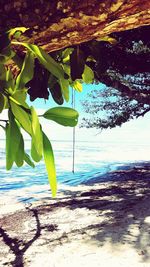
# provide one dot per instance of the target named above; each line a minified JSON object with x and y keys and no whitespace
{"x":124,"y":69}
{"x":19,"y":75}
{"x":120,"y":61}
{"x":107,"y":108}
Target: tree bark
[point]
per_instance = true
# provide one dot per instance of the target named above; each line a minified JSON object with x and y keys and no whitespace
{"x":57,"y":24}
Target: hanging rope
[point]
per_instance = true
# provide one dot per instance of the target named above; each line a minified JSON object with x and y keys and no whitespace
{"x":73,"y":137}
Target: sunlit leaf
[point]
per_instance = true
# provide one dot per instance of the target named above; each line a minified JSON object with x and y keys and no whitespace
{"x":88,"y":75}
{"x":20,"y":98}
{"x":62,"y":115}
{"x":107,"y":39}
{"x":19,"y":158}
{"x":64,"y":88}
{"x":77,"y":86}
{"x":27,"y":71}
{"x":50,"y":164}
{"x":13,"y":137}
{"x":28,"y":160}
{"x":34,"y":154}
{"x":2,"y":102}
{"x":36,"y":132}
{"x":16,"y":32}
{"x":46,"y":60}
{"x":22,"y":116}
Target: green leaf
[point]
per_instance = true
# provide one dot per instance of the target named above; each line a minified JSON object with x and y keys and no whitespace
{"x":36,"y":132}
{"x":64,"y":88}
{"x":20,"y":97}
{"x":6,"y":54}
{"x":34,"y":154}
{"x":10,"y":80}
{"x":22,"y":116}
{"x":9,"y":154}
{"x":28,"y":160}
{"x":108,"y":39}
{"x":66,"y":54}
{"x":2,"y":102}
{"x":27,"y":71}
{"x":77,"y":86}
{"x":19,"y":158}
{"x":46,"y":60}
{"x":13,"y":137}
{"x":16,"y":32}
{"x":62,"y":115}
{"x":50,"y":164}
{"x":55,"y":89}
{"x":88,"y":75}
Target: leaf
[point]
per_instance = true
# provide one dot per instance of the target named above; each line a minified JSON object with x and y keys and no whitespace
{"x":88,"y":75}
{"x":77,"y":62}
{"x":9,"y":154}
{"x":2,"y":102}
{"x":108,"y":39}
{"x":9,"y":80}
{"x":66,"y":54}
{"x":46,"y":60}
{"x":56,"y":93}
{"x":36,"y":132}
{"x":13,"y":137}
{"x":62,"y":115}
{"x":50,"y":164}
{"x":34,"y":154}
{"x":16,"y":32}
{"x":22,"y":116}
{"x":77,"y":86}
{"x":20,"y":97}
{"x":6,"y":54}
{"x":28,"y":160}
{"x":64,"y":88}
{"x":27,"y":71}
{"x":19,"y":158}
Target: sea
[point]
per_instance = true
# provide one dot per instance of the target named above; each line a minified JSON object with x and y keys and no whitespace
{"x":91,"y":161}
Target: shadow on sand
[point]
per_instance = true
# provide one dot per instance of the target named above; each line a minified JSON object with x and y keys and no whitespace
{"x":125,"y":201}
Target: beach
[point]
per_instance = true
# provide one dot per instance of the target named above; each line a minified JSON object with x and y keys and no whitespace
{"x":104,"y":223}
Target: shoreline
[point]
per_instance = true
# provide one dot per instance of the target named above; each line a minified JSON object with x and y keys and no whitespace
{"x":104,"y":224}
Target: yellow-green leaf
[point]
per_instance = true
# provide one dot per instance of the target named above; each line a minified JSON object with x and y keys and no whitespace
{"x":22,"y":116}
{"x":27,"y":71}
{"x":62,"y":115}
{"x":77,"y":86}
{"x":64,"y":84}
{"x":28,"y":160}
{"x":46,"y":60}
{"x":88,"y":75}
{"x":13,"y":137}
{"x":34,"y":154}
{"x":19,"y":158}
{"x":50,"y":164}
{"x":2,"y":102}
{"x":36,"y":132}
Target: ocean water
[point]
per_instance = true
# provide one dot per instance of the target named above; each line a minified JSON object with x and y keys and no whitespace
{"x":92,"y":160}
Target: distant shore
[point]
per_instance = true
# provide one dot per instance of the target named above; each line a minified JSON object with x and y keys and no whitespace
{"x":104,"y":223}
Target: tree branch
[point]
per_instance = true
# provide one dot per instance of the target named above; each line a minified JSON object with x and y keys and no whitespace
{"x":58,"y":24}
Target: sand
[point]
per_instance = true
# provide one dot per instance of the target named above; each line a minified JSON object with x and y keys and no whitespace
{"x":102,"y":224}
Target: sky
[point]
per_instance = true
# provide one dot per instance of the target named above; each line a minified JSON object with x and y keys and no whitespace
{"x":137,"y":130}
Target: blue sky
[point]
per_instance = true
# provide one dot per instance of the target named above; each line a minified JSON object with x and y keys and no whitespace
{"x":137,"y":130}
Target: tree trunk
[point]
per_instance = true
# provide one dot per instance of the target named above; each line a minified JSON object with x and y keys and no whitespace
{"x":57,"y":24}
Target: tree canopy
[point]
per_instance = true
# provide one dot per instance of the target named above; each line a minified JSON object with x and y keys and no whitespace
{"x":48,"y":47}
